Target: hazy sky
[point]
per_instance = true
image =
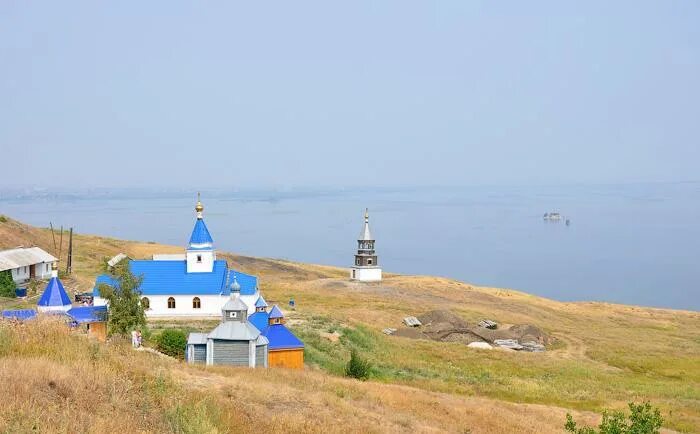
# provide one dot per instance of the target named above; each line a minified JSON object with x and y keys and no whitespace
{"x":292,"y":93}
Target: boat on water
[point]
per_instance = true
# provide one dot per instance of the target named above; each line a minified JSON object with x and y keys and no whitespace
{"x":552,"y":216}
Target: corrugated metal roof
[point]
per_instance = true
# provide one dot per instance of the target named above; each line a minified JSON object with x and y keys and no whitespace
{"x":281,"y":338}
{"x":235,"y":331}
{"x":259,"y":320}
{"x":88,"y":314}
{"x":169,"y":257}
{"x":200,"y":235}
{"x":21,"y":314}
{"x":117,"y":259}
{"x":21,"y":257}
{"x":172,"y":278}
{"x":197,"y":339}
{"x":54,"y":294}
{"x":276,"y":312}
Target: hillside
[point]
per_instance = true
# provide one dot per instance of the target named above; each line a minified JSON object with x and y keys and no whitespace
{"x":606,"y":355}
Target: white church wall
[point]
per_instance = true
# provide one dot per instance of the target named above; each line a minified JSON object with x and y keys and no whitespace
{"x":366,"y":274}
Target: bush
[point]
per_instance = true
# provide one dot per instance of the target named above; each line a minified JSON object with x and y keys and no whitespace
{"x":7,"y":285}
{"x":3,"y":219}
{"x":643,"y":419}
{"x":357,"y":367}
{"x":172,"y":342}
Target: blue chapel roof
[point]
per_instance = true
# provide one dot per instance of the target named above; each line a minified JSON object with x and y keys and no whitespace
{"x":259,"y":320}
{"x":200,"y":235}
{"x":280,"y":337}
{"x":20,"y":314}
{"x":276,"y":312}
{"x":172,"y":278}
{"x":261,"y":302}
{"x":88,"y":314}
{"x":54,"y":294}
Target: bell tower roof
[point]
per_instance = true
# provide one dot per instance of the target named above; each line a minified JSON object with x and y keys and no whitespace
{"x":366,"y":235}
{"x":200,"y":238}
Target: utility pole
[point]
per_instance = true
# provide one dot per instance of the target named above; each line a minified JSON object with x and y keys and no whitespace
{"x":69,"y":260}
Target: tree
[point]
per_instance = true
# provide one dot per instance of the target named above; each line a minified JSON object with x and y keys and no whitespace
{"x":643,"y":419}
{"x":172,"y":342}
{"x":357,"y":367}
{"x":7,"y":284}
{"x":124,"y":297}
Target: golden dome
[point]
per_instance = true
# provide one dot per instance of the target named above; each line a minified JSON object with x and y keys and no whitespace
{"x":199,"y":207}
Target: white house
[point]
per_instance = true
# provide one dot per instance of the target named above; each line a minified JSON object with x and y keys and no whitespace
{"x":193,"y":284}
{"x":27,"y":263}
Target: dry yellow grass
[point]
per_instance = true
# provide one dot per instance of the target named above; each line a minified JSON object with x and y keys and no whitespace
{"x":610,"y":354}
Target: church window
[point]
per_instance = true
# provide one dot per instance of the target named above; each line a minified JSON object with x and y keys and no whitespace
{"x":199,"y":259}
{"x":276,"y":321}
{"x":145,"y":303}
{"x":196,"y":303}
{"x":369,"y":262}
{"x":171,"y":303}
{"x":232,"y":314}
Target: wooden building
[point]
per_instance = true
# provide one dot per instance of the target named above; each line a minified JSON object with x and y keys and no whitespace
{"x":284,"y":349}
{"x":94,"y":318}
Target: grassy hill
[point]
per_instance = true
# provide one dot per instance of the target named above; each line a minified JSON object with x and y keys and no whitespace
{"x":606,"y":355}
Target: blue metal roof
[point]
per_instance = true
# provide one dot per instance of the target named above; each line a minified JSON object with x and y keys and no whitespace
{"x":248,"y":282}
{"x":172,"y":278}
{"x":276,"y":312}
{"x":87,"y":314}
{"x":281,"y":338}
{"x":259,"y":320}
{"x":21,"y":314}
{"x":261,"y":302}
{"x":200,"y":234}
{"x":54,"y":294}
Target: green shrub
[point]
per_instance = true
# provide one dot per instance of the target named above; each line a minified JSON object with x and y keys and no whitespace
{"x":357,"y":367}
{"x":7,"y":285}
{"x":3,"y":219}
{"x":172,"y":342}
{"x":643,"y":419}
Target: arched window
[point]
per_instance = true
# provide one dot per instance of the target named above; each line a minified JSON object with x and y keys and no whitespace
{"x":196,"y":303}
{"x":171,"y":303}
{"x":145,"y":303}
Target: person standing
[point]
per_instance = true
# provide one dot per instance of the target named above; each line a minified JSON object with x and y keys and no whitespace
{"x":134,"y":338}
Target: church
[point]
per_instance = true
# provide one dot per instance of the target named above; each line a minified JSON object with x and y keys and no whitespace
{"x":193,"y":284}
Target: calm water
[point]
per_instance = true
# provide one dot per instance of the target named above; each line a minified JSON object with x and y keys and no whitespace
{"x":636,"y":244}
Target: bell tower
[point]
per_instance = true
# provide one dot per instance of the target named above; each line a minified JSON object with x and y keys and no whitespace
{"x":366,"y":267}
{"x":200,"y":252}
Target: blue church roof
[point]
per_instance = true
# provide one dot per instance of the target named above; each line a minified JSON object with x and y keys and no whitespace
{"x":281,"y":338}
{"x":261,"y":302}
{"x":87,"y":314}
{"x":21,"y":314}
{"x":200,"y":235}
{"x":259,"y":320}
{"x":276,"y":312}
{"x":54,"y":294}
{"x":172,"y":278}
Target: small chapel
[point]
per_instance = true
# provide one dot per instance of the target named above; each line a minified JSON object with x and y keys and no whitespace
{"x":366,"y":267}
{"x":192,"y":284}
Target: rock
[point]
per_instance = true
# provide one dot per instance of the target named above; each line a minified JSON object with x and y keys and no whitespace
{"x":508,"y":343}
{"x":412,"y":321}
{"x":333,"y":337}
{"x":389,"y":331}
{"x":480,"y":345}
{"x":533,"y":347}
{"x":488,"y":324}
